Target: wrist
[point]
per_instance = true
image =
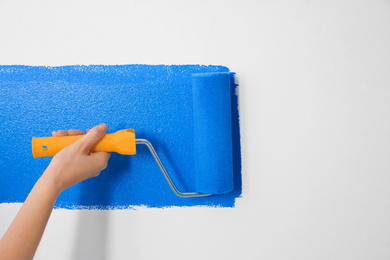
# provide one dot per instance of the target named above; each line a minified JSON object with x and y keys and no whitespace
{"x":48,"y":179}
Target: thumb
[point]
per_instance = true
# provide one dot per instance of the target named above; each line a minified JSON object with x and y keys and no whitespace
{"x":92,"y":137}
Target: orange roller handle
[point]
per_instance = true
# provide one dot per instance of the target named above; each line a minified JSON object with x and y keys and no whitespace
{"x":122,"y":142}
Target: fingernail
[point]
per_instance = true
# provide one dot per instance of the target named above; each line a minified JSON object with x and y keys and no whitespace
{"x":102,"y":126}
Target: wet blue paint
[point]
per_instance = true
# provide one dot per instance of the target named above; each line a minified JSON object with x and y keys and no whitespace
{"x":213,"y":153}
{"x":155,"y":100}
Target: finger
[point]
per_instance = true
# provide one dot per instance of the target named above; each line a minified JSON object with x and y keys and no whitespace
{"x":96,"y":174}
{"x":60,"y":133}
{"x":100,"y":159}
{"x":75,"y":132}
{"x":88,"y":130}
{"x":92,"y":137}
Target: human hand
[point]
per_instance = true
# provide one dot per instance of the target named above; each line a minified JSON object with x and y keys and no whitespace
{"x":75,"y":162}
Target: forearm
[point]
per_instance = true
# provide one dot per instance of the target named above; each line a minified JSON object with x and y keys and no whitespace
{"x":68,"y":167}
{"x":22,"y":237}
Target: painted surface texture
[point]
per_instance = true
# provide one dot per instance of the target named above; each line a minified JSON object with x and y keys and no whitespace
{"x":155,"y":100}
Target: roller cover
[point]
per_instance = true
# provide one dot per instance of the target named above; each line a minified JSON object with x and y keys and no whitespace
{"x":212,"y":132}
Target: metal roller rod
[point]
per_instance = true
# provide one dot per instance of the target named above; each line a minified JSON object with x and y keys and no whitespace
{"x":166,"y":175}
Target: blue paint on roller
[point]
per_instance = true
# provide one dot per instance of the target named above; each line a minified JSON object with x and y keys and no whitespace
{"x":157,"y":101}
{"x":212,"y":132}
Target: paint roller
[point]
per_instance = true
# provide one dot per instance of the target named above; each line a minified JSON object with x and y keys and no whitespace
{"x":212,"y":138}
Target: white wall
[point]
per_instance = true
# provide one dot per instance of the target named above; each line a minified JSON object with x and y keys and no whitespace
{"x":314,"y":112}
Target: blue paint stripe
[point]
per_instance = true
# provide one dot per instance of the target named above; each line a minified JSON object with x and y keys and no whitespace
{"x":156,"y":100}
